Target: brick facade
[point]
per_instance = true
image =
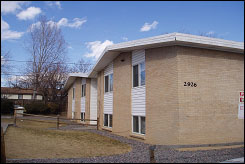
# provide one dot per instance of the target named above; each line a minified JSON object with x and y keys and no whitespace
{"x":178,"y":114}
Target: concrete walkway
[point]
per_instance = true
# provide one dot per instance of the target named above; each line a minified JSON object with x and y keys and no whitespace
{"x":236,"y":160}
{"x":5,"y":126}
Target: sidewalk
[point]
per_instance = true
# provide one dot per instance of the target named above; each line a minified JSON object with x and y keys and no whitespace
{"x":236,"y":160}
{"x":5,"y":126}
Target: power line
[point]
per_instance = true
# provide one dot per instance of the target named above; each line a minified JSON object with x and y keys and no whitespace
{"x":47,"y":62}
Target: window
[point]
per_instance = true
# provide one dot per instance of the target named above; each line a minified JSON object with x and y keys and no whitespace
{"x":109,"y":83}
{"x":142,"y":73}
{"x":108,"y":120}
{"x":106,"y":83}
{"x":20,"y":96}
{"x":82,"y":116}
{"x":135,"y":76}
{"x":83,"y":90}
{"x":105,"y":119}
{"x":73,"y":93}
{"x":136,"y":124}
{"x":139,"y":74}
{"x":139,"y":124}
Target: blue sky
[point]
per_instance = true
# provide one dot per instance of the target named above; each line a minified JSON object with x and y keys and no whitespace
{"x":90,"y":26}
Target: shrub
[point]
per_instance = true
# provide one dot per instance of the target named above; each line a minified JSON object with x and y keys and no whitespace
{"x":7,"y":106}
{"x":53,"y":108}
{"x":37,"y":108}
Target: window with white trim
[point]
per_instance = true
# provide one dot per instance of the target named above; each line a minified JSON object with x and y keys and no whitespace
{"x":83,"y":90}
{"x":82,"y":116}
{"x":109,"y":83}
{"x":139,"y":74}
{"x":108,"y":120}
{"x":139,"y":125}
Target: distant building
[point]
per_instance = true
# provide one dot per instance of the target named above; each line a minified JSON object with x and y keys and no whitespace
{"x":19,"y":96}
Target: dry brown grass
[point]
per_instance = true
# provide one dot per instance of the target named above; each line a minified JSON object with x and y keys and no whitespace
{"x":209,"y":148}
{"x":32,"y":140}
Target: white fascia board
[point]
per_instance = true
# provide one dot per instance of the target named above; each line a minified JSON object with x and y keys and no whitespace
{"x":207,"y":42}
{"x":71,"y":78}
{"x":165,"y":40}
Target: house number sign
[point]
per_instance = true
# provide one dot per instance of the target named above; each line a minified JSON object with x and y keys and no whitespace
{"x":190,"y":84}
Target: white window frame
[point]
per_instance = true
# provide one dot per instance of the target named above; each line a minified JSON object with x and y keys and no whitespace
{"x":139,"y":122}
{"x":139,"y":74}
{"x":108,"y":115}
{"x":109,"y":83}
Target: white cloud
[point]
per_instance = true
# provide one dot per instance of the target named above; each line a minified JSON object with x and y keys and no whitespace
{"x":11,"y":6}
{"x":125,"y":38}
{"x":77,"y":22}
{"x":7,"y":34}
{"x":54,"y":3}
{"x":96,"y":48}
{"x":148,"y":27}
{"x":29,"y":13}
{"x":210,"y":33}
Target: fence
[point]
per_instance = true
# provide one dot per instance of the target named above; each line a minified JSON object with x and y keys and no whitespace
{"x":57,"y":118}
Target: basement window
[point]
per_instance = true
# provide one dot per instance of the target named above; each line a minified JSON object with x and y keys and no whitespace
{"x":139,"y":125}
{"x":139,"y":74}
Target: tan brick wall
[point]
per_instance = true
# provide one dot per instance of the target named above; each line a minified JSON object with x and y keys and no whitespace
{"x":178,"y":115}
{"x":100,"y":97}
{"x":161,"y":96}
{"x":69,"y":110}
{"x":122,"y":75}
{"x":209,"y":112}
{"x":87,"y":103}
{"x":78,"y":95}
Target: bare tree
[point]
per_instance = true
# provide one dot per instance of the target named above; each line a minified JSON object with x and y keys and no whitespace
{"x":6,"y":67}
{"x":47,"y":49}
{"x":81,"y":66}
{"x":5,"y":63}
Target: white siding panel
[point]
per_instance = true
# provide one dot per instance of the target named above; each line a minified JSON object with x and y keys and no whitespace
{"x":39,"y":97}
{"x":93,"y":101}
{"x":28,"y":97}
{"x":108,"y":97}
{"x":12,"y":96}
{"x":138,"y":93}
{"x":83,"y":100}
{"x":108,"y":103}
{"x":138,"y":101}
{"x":138,"y":56}
{"x":108,"y":69}
{"x":73,"y":102}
